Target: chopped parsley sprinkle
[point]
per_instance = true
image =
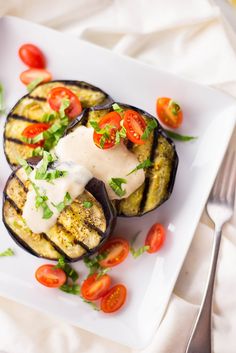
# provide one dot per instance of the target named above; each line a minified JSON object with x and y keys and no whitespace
{"x":137,"y":252}
{"x":120,"y":134}
{"x":34,"y":84}
{"x":70,"y":272}
{"x":8,"y":252}
{"x":25,"y":165}
{"x":41,"y":201}
{"x":87,"y":204}
{"x":42,"y":173}
{"x":117,"y":108}
{"x":66,"y":201}
{"x":178,"y":137}
{"x":151,"y":125}
{"x":73,"y":288}
{"x":144,"y":165}
{"x":116,"y":185}
{"x":93,"y":264}
{"x":48,"y":117}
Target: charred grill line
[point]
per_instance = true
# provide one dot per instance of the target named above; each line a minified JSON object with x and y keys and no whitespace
{"x":21,"y":183}
{"x":14,"y":205}
{"x":85,"y":247}
{"x":21,"y":117}
{"x":56,"y":247}
{"x":147,"y":178}
{"x":93,"y":227}
{"x":19,"y":142}
{"x":37,"y":98}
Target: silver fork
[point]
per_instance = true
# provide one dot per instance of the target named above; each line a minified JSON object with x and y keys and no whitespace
{"x":220,"y":207}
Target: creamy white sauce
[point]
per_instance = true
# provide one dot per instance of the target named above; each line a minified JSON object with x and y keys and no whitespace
{"x":73,"y":183}
{"x":115,"y":162}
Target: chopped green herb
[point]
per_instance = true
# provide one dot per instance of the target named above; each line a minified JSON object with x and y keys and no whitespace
{"x":70,"y":288}
{"x":8,"y":252}
{"x":34,"y":84}
{"x":87,"y":204}
{"x":61,"y":205}
{"x":105,"y":132}
{"x":93,"y":263}
{"x":138,"y":252}
{"x":116,"y":185}
{"x":93,"y":305}
{"x":174,"y":107}
{"x":25,"y":165}
{"x":120,"y":134}
{"x":144,"y":165}
{"x":65,"y":103}
{"x":178,"y":137}
{"x":2,"y":108}
{"x":42,"y":173}
{"x":41,"y":201}
{"x":70,"y":272}
{"x":151,"y":125}
{"x":38,"y":151}
{"x":48,"y":117}
{"x":117,"y":108}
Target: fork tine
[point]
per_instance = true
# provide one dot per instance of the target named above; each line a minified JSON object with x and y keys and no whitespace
{"x":232,"y":181}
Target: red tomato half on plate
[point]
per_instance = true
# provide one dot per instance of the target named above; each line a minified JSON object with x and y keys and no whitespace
{"x":95,"y":286}
{"x":116,"y":251}
{"x":30,"y":75}
{"x":32,"y":56}
{"x":169,"y":112}
{"x":155,"y":238}
{"x":57,"y":94}
{"x":114,"y":299}
{"x":50,"y":276}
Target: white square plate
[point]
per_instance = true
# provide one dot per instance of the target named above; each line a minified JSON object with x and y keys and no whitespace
{"x":209,"y":114}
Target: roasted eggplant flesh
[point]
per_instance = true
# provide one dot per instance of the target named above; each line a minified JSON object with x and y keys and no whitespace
{"x":159,"y":178}
{"x":78,"y":231}
{"x":31,"y":109}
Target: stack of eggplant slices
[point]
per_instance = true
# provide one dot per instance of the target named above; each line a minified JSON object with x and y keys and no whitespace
{"x":79,"y":161}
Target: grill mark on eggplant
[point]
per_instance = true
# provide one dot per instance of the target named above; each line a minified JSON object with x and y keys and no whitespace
{"x":22,"y":117}
{"x":13,"y":204}
{"x":93,"y":227}
{"x":21,"y":183}
{"x":19,"y":142}
{"x":85,"y":247}
{"x":147,"y":178}
{"x":56,"y":247}
{"x":37,"y":98}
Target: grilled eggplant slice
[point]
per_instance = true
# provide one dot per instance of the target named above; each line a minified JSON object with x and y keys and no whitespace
{"x":159,"y":178}
{"x":79,"y":231}
{"x":31,"y":108}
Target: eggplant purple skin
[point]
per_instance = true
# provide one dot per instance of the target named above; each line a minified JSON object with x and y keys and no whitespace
{"x":108,"y":101}
{"x":96,"y":188}
{"x":83,"y":118}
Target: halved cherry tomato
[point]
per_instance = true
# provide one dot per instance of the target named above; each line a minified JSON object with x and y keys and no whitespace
{"x":113,"y":120}
{"x":57,"y":94}
{"x":135,"y":125}
{"x":33,"y":130}
{"x":95,"y":286}
{"x":32,"y":56}
{"x":116,"y":250}
{"x":169,"y":112}
{"x":30,"y":75}
{"x":155,"y":238}
{"x":50,"y":276}
{"x":114,"y":299}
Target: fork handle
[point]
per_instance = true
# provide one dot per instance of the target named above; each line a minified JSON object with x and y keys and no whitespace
{"x":200,"y":339}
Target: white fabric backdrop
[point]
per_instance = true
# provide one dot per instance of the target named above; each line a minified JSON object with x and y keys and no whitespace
{"x":186,"y":37}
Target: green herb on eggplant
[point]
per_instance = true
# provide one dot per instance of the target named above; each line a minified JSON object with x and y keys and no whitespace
{"x":117,"y":108}
{"x":144,"y":165}
{"x":151,"y":125}
{"x":25,"y":166}
{"x":116,"y":185}
{"x":41,"y":201}
{"x":120,"y":134}
{"x":87,"y":204}
{"x":33,"y":84}
{"x":66,"y":201}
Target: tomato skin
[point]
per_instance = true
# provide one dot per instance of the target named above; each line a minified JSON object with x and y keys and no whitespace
{"x":32,"y":56}
{"x":33,"y":130}
{"x":50,"y":276}
{"x":30,"y":75}
{"x":169,"y":112}
{"x":113,"y":119}
{"x":116,"y":249}
{"x":95,"y":286}
{"x":135,"y":126}
{"x":57,"y":94}
{"x":155,"y":238}
{"x":114,"y":299}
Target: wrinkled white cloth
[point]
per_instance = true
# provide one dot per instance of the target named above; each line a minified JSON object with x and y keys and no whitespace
{"x":186,"y":37}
